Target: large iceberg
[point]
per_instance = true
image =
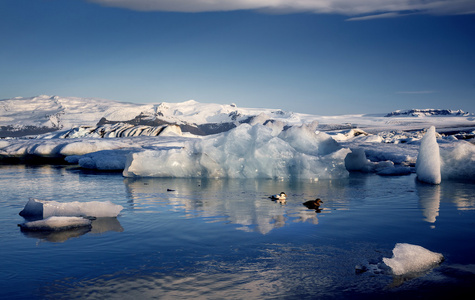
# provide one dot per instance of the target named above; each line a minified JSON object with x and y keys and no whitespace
{"x":247,"y":151}
{"x":428,"y":160}
{"x":35,"y":208}
{"x":409,"y":258}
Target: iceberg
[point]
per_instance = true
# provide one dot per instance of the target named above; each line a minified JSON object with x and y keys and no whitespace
{"x":246,"y":151}
{"x":428,"y":160}
{"x":459,"y":162}
{"x":409,"y":258}
{"x":35,"y":208}
{"x":56,"y":224}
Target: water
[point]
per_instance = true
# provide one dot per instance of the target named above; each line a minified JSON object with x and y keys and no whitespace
{"x":214,"y":239}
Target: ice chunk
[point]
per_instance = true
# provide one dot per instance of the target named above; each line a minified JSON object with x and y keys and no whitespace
{"x":246,"y":152}
{"x":56,"y":224}
{"x":45,"y":209}
{"x":459,"y":162}
{"x":409,"y":258}
{"x":356,"y":161}
{"x":428,"y":160}
{"x":395,"y":171}
{"x":108,"y":160}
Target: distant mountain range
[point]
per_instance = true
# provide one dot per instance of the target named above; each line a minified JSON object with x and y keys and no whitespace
{"x":65,"y":117}
{"x":44,"y":114}
{"x":427,"y":112}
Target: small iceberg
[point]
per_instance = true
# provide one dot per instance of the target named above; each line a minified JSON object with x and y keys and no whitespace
{"x":428,"y":159}
{"x":56,"y":224}
{"x":36,"y":208}
{"x":409,"y":259}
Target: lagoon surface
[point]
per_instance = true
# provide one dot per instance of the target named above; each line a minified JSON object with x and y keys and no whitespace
{"x":215,"y":239}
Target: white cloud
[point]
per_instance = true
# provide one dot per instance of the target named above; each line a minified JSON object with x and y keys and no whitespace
{"x":367,"y":9}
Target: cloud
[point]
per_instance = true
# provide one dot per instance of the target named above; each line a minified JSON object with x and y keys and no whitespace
{"x":363,"y":9}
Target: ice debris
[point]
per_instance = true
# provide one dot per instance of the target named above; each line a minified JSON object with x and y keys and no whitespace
{"x":56,"y":224}
{"x":409,"y":258}
{"x":35,"y":208}
{"x":428,"y":160}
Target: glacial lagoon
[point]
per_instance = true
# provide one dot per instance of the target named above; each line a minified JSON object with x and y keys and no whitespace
{"x":224,"y":238}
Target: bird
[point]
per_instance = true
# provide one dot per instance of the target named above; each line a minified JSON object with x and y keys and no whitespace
{"x":281,"y":196}
{"x":313,"y":204}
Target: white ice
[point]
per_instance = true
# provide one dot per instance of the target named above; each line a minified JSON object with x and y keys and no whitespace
{"x":45,"y":209}
{"x":428,"y":160}
{"x":409,"y":258}
{"x":356,"y":161}
{"x":458,"y":162}
{"x":247,"y":152}
{"x":56,"y":223}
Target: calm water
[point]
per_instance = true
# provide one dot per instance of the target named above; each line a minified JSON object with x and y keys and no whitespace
{"x":214,"y":239}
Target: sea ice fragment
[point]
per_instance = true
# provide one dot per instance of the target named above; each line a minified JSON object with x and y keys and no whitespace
{"x":44,"y":209}
{"x":409,"y":258}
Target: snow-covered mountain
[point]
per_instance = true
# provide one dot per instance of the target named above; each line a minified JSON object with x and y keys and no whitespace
{"x":68,"y":117}
{"x":428,"y":112}
{"x":41,"y":114}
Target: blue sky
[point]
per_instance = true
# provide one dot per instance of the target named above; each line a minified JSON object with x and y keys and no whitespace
{"x":311,"y":56}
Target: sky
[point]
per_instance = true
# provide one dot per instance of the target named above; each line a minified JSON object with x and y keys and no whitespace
{"x":323,"y":57}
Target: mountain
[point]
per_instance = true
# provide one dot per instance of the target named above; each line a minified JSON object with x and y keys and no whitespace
{"x":67,"y":117}
{"x":43,"y":114}
{"x":427,"y":112}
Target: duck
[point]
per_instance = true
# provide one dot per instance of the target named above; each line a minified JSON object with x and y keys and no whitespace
{"x":281,"y":196}
{"x":313,"y":204}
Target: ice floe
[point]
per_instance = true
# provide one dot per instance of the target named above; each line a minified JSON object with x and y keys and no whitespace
{"x":409,"y":258}
{"x":36,"y":208}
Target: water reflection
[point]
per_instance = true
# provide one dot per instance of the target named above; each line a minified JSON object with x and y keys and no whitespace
{"x":241,"y":202}
{"x":98,"y":226}
{"x":429,"y":201}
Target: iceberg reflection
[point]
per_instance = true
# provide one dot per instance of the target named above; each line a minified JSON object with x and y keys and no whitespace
{"x":98,"y":226}
{"x":429,"y":201}
{"x":242,"y":202}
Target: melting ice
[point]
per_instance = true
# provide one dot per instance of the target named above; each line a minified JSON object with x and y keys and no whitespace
{"x":247,"y":151}
{"x":43,"y":209}
{"x":409,"y":258}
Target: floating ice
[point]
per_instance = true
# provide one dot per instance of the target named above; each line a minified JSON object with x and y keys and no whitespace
{"x":246,"y":152}
{"x":107,"y":160}
{"x":56,"y":223}
{"x":356,"y":161}
{"x":459,"y":162}
{"x":409,"y":258}
{"x":428,"y":160}
{"x":45,"y":209}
